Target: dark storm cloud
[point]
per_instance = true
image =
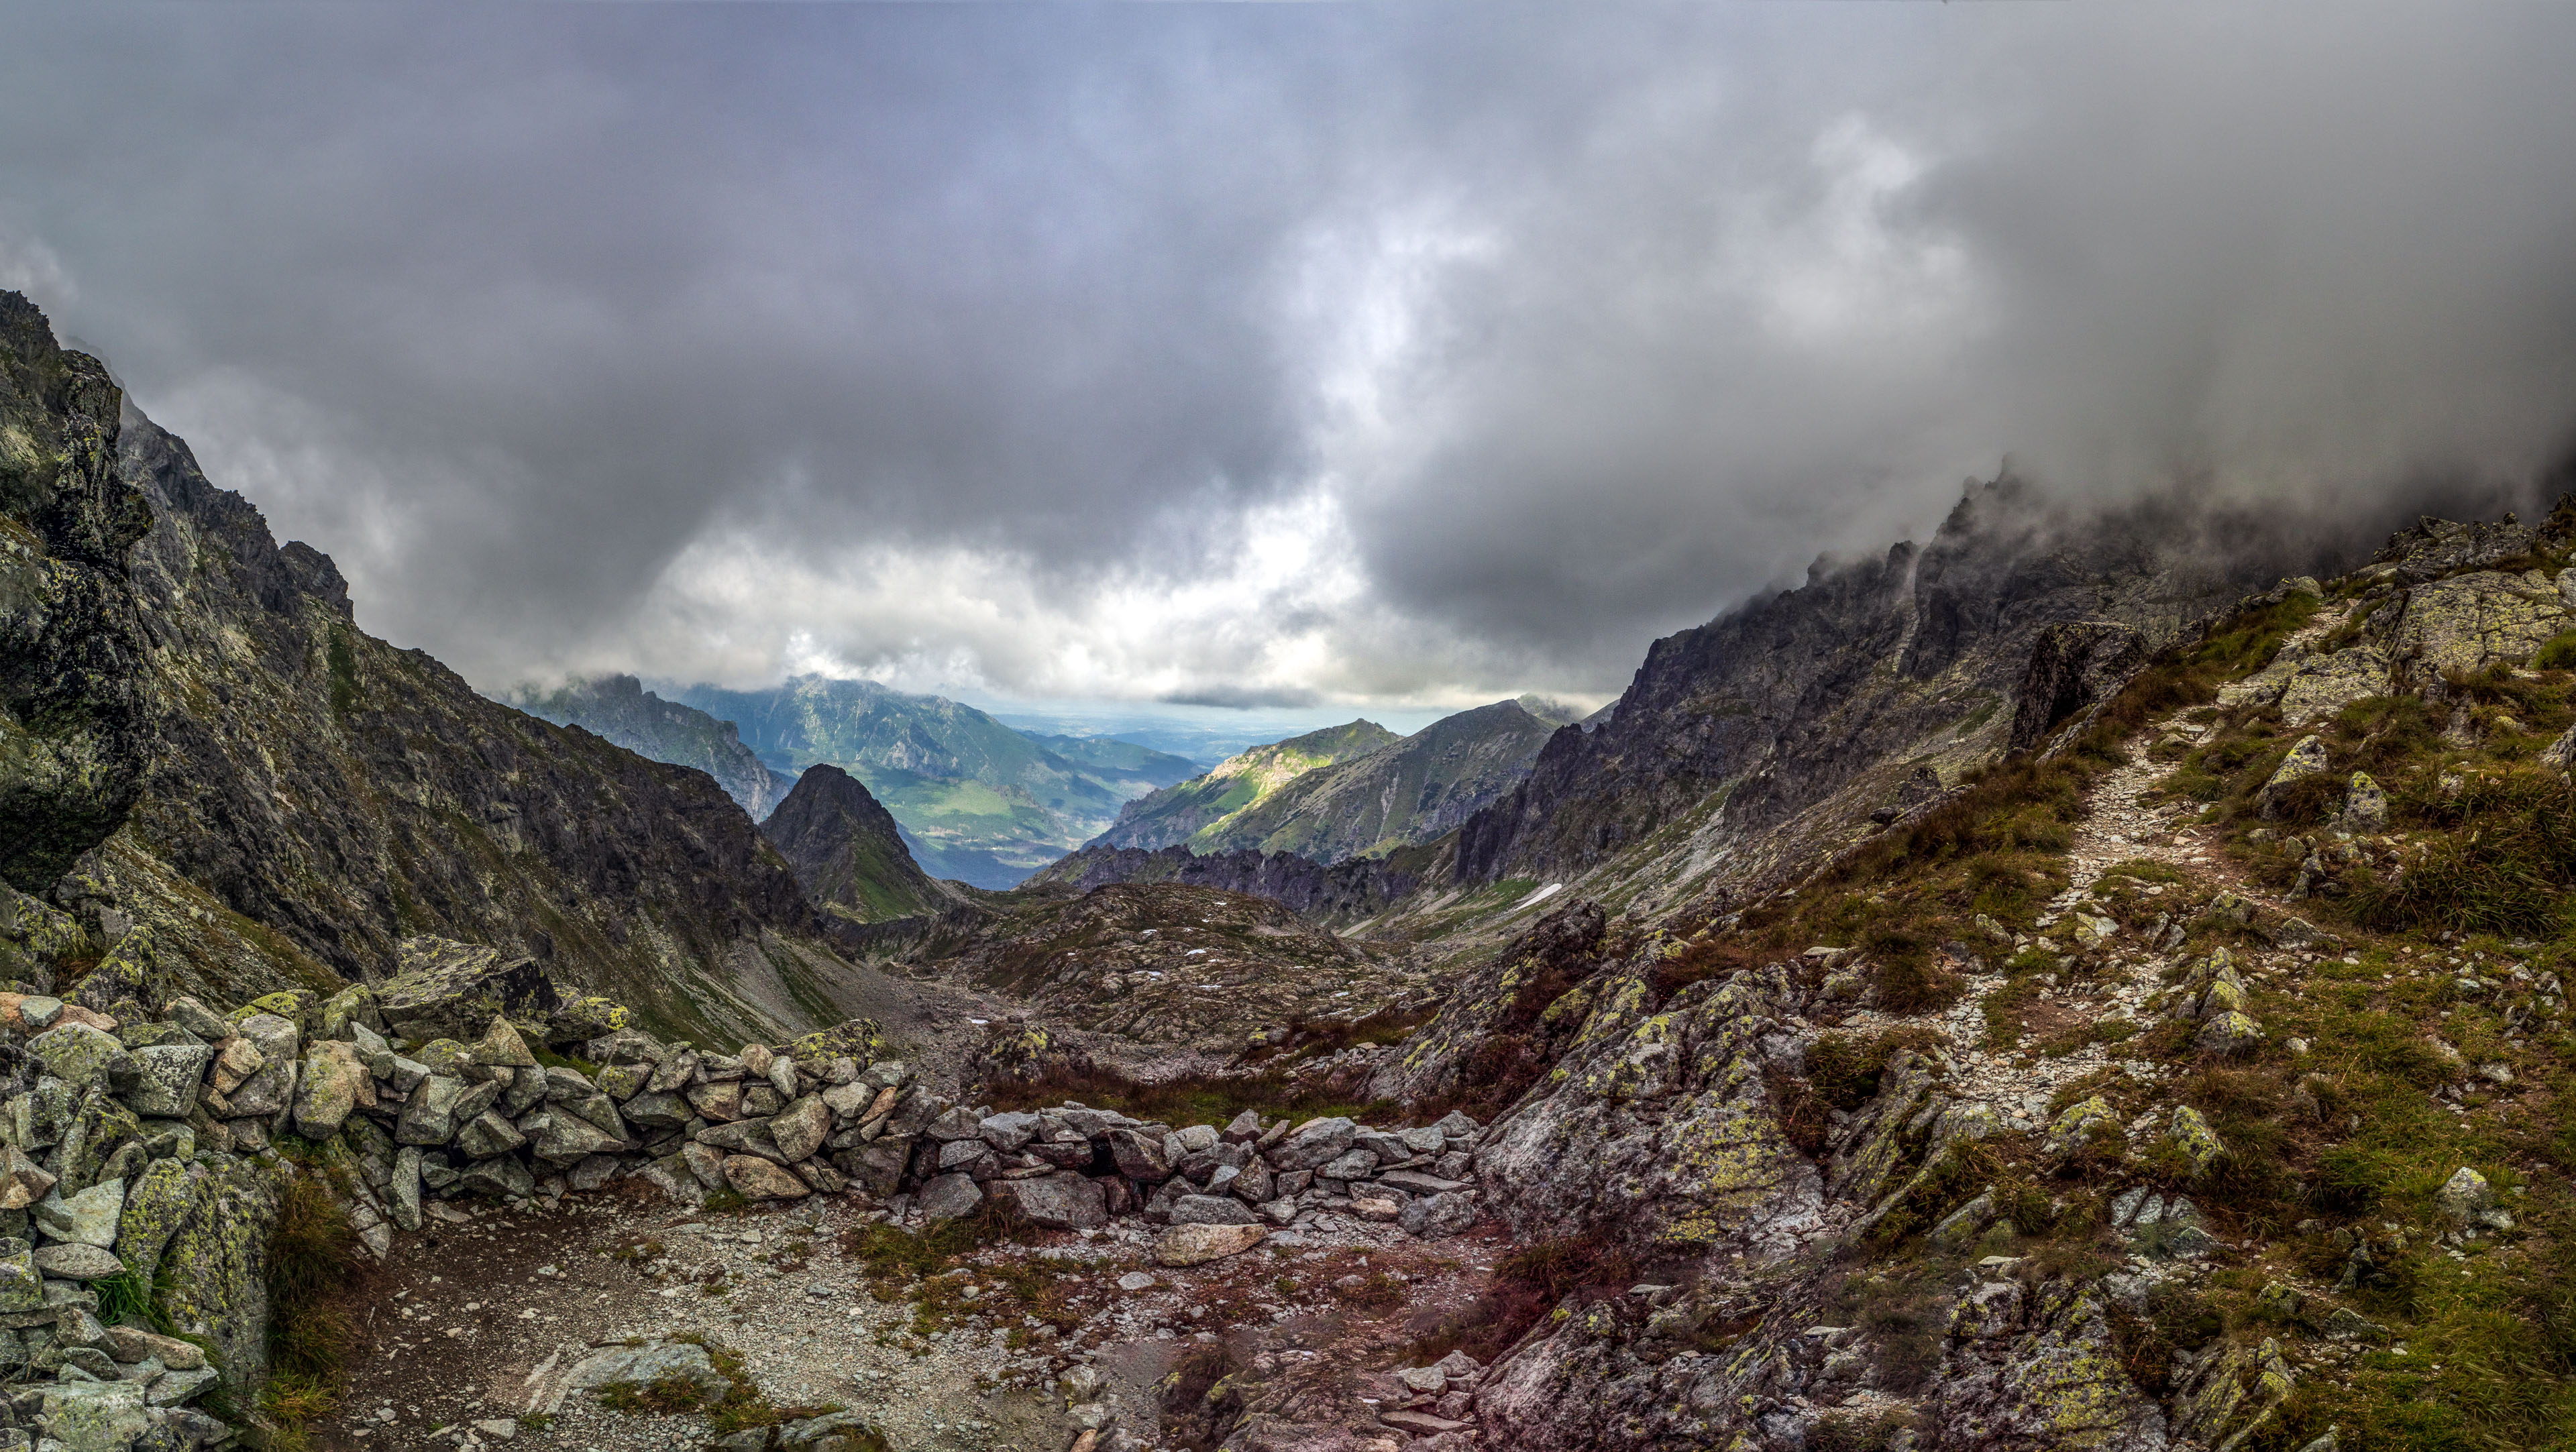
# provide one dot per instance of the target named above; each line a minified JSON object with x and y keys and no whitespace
{"x":1268,"y":353}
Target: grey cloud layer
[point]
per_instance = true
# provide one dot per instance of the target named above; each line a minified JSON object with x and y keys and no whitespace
{"x":654,"y":336}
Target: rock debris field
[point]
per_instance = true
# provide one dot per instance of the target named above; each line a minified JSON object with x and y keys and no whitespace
{"x":484,"y":1324}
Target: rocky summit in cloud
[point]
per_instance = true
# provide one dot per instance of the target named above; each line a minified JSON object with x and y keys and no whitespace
{"x":1364,"y":355}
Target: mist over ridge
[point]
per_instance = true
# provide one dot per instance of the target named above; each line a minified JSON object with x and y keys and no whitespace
{"x":1364,"y":358}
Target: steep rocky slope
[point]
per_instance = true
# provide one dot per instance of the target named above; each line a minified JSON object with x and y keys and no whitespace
{"x":315,"y":795}
{"x":1405,"y":793}
{"x":1869,"y":689}
{"x":983,"y":803}
{"x":1193,"y":812}
{"x":73,"y":722}
{"x":2194,"y":1086}
{"x":620,"y":709}
{"x":847,"y":852}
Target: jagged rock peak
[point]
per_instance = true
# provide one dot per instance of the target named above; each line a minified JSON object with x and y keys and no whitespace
{"x":74,"y":737}
{"x":847,"y":851}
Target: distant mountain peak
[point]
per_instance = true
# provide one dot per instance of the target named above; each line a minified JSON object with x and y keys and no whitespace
{"x":847,"y":852}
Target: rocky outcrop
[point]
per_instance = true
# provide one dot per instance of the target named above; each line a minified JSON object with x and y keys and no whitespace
{"x":316,"y":795}
{"x":620,"y":709}
{"x":1745,"y":747}
{"x":848,"y":854}
{"x":2074,"y":667}
{"x":74,"y":726}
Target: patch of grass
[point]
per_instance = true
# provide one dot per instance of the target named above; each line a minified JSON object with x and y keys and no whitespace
{"x":668,"y":1396}
{"x":1527,"y":1284}
{"x":724,"y":1200}
{"x":124,"y":1299}
{"x":316,"y":1272}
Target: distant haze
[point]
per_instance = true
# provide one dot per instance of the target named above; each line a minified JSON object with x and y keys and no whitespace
{"x":1320,"y":360}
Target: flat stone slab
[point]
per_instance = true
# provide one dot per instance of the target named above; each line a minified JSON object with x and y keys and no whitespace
{"x":74,"y":1261}
{"x":1185,"y":1245}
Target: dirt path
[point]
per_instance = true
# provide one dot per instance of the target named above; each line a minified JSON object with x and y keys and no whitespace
{"x":2119,"y":825}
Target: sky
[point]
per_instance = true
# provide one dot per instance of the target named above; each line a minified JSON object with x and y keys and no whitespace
{"x":1311,"y":359}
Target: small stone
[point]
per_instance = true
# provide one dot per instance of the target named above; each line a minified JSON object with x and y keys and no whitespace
{"x":2229,"y":1033}
{"x":1219,"y":1210}
{"x":176,"y":1386}
{"x":755,"y":1178}
{"x":39,"y":1012}
{"x":88,"y":1217}
{"x":73,"y":1260}
{"x":22,"y":1181}
{"x":501,"y":1429}
{"x":1186,"y":1245}
{"x":949,"y":1197}
{"x":2198,"y":1142}
{"x":1136,"y":1281}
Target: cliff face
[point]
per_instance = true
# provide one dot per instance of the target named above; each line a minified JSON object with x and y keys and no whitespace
{"x":73,"y":729}
{"x":1745,"y":746}
{"x":847,"y":852}
{"x":315,"y":795}
{"x":619,"y":708}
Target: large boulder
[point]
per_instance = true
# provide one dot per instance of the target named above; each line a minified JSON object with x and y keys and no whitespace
{"x":2075,"y":666}
{"x":801,"y":1128}
{"x":450,"y":990}
{"x":1313,"y":1144}
{"x":949,"y":1197}
{"x":88,"y":1218}
{"x":755,"y":1178}
{"x":169,"y":1078}
{"x":78,"y":1054}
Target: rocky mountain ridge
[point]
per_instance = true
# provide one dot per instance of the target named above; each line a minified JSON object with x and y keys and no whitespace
{"x":847,"y":852}
{"x":982,"y":803}
{"x":1405,"y":793}
{"x":619,"y":708}
{"x":1196,"y":810}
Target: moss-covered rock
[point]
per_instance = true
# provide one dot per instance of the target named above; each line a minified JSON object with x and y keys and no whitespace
{"x":215,"y":1266}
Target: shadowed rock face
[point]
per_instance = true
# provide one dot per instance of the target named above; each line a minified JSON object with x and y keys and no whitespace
{"x":847,"y":853}
{"x":73,"y":738}
{"x":341,"y":795}
{"x":1762,"y":715}
{"x":619,"y":708}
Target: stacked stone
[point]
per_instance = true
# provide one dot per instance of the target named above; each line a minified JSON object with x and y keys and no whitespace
{"x":1075,"y":1167}
{"x":136,"y":1145}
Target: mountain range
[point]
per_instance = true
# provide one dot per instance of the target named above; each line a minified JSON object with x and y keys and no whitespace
{"x":1351,"y":791}
{"x":620,"y":709}
{"x":977,"y":801}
